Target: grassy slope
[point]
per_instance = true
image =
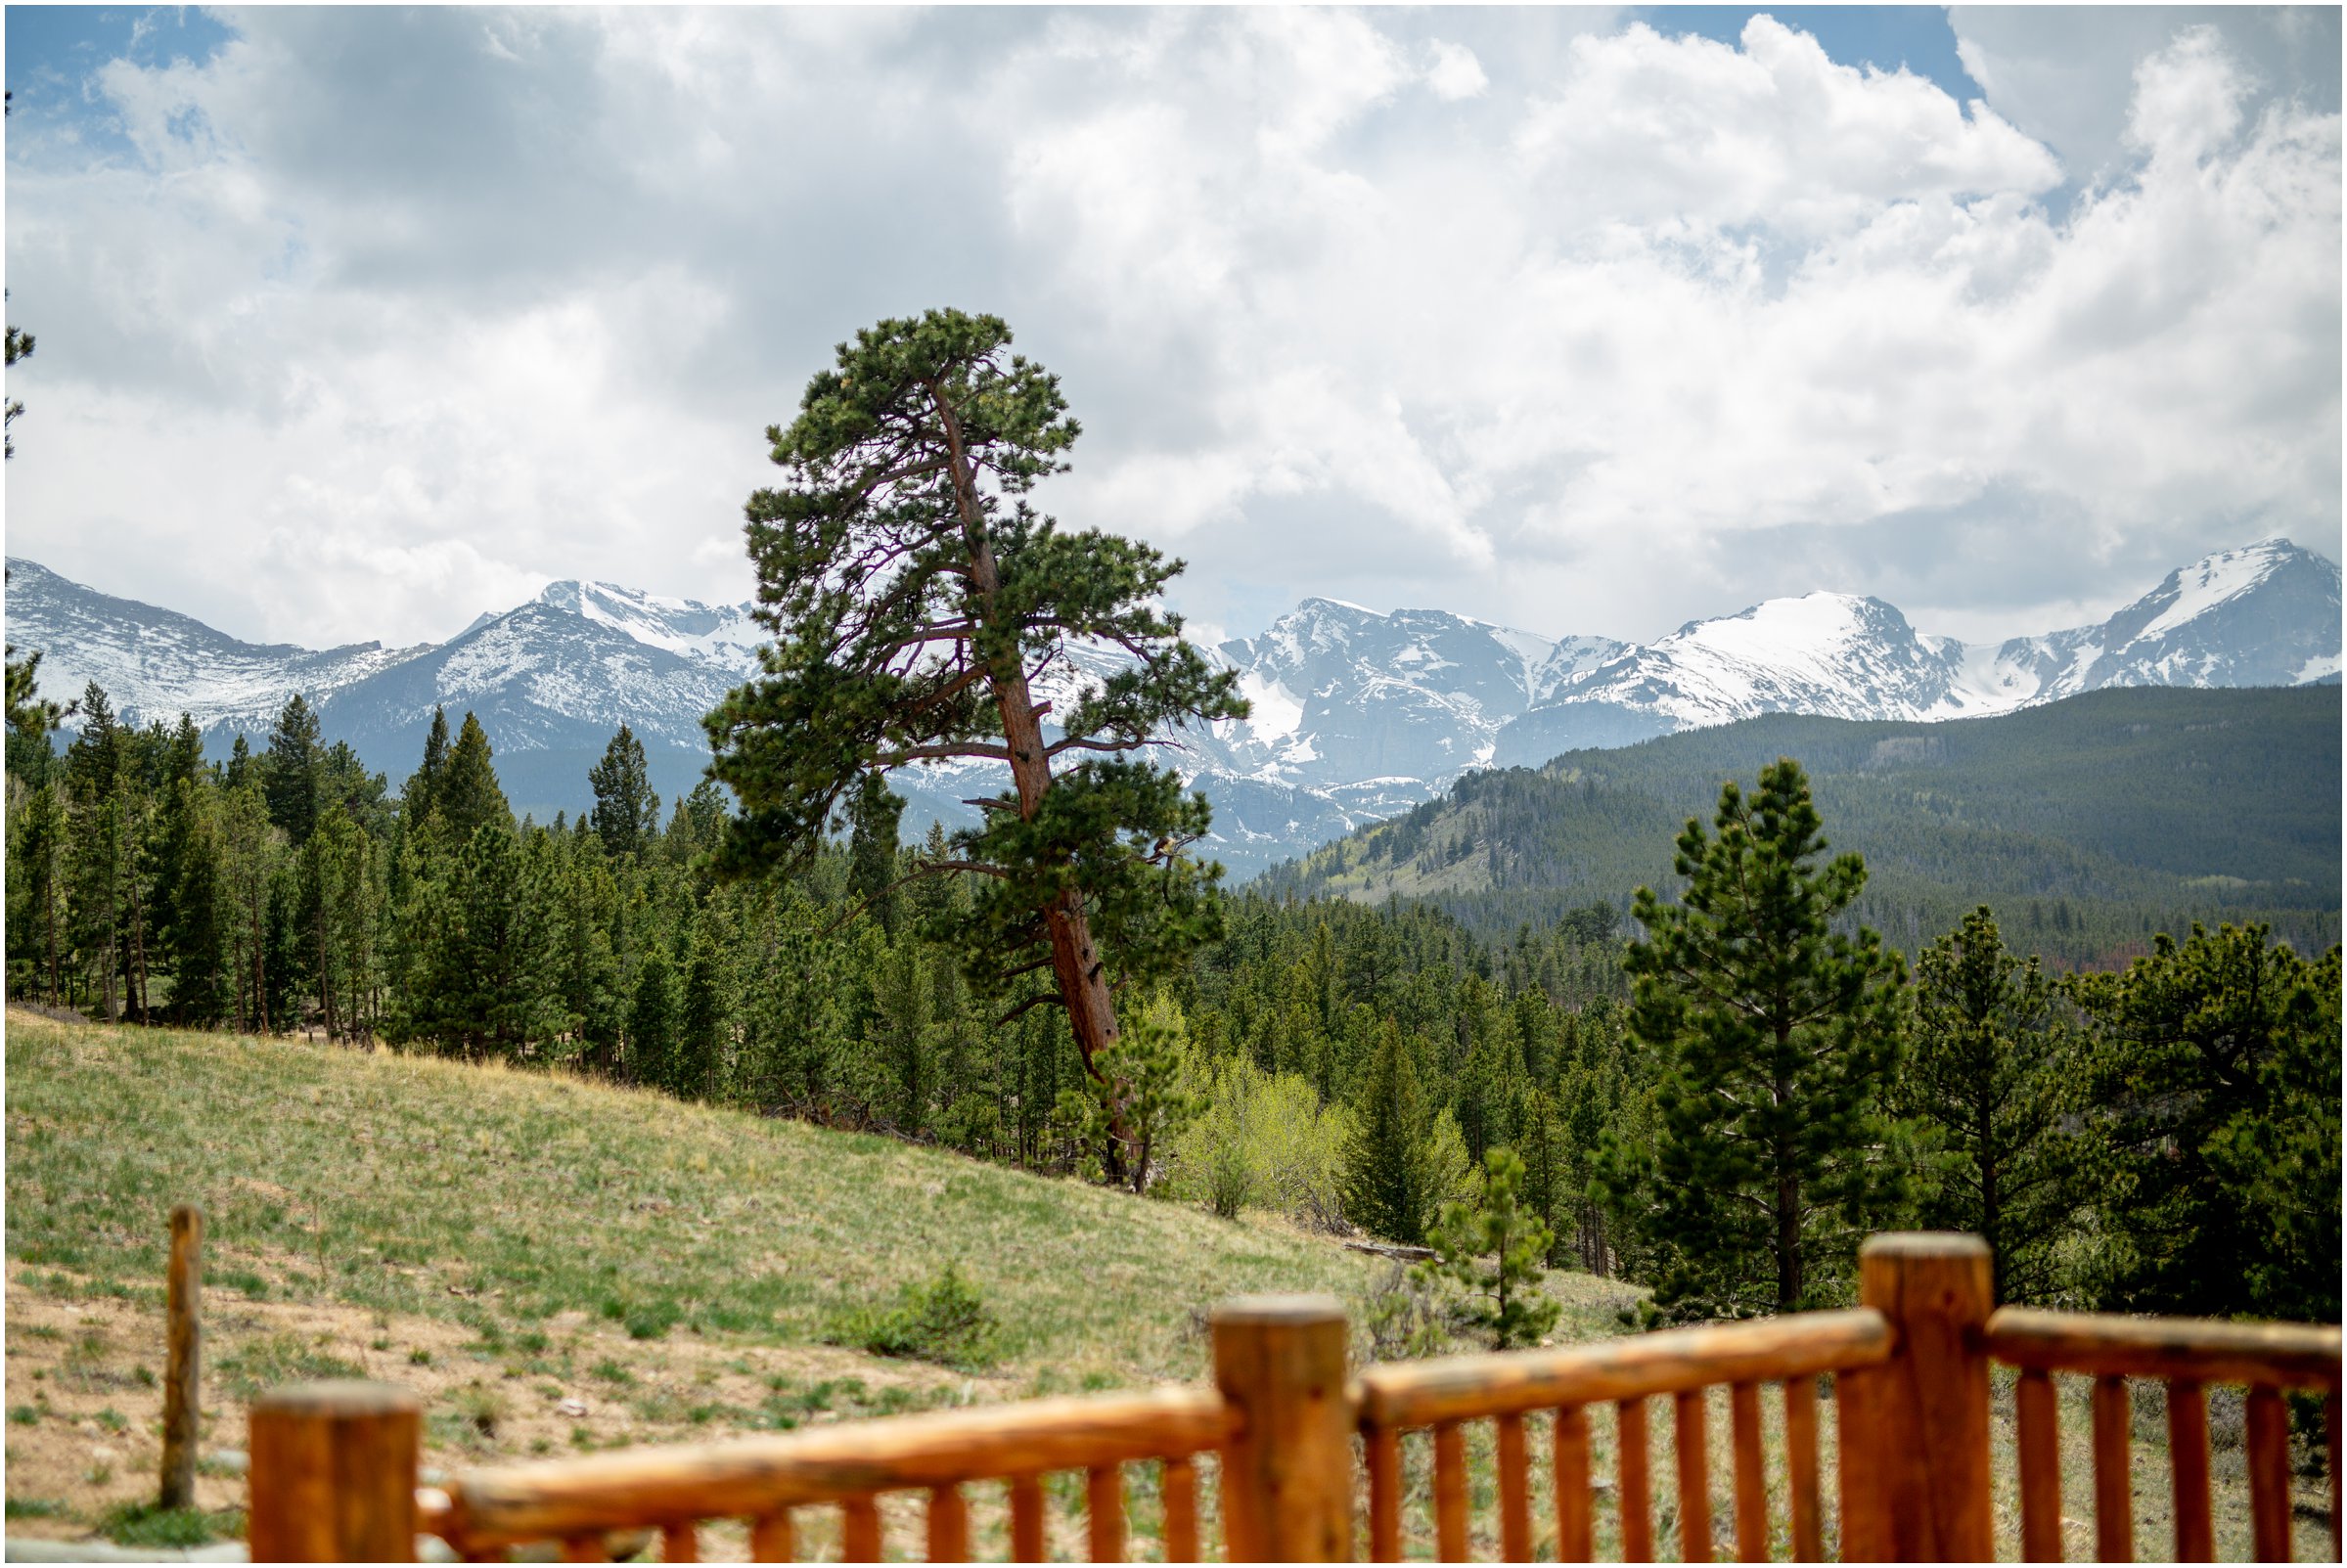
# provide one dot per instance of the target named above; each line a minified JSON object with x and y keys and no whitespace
{"x":503,"y":1199}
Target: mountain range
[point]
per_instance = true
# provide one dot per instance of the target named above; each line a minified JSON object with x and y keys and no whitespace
{"x":1356,"y":716}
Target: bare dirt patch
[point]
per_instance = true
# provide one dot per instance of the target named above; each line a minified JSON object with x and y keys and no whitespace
{"x":86,"y":1398}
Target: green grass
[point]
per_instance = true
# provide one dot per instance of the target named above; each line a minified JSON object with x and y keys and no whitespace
{"x":497,"y":1198}
{"x":37,"y":1508}
{"x":143,"y":1524}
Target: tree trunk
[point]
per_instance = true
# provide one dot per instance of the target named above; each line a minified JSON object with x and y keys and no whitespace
{"x":1076,"y":965}
{"x":138,"y":944}
{"x":325,"y":988}
{"x":260,"y":968}
{"x":49,"y":910}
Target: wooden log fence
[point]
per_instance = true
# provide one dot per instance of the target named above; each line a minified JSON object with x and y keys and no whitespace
{"x":334,"y":1466}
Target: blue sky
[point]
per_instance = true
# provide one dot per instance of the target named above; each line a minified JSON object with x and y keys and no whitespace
{"x":1916,"y":38}
{"x":356,"y":323}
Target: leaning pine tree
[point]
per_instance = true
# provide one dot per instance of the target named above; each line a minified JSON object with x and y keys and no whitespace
{"x":918,"y":603}
{"x":1777,"y":1037}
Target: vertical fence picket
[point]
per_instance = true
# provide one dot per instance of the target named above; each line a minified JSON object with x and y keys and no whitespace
{"x":1634,"y":1492}
{"x":1516,"y":1499}
{"x":1026,"y":1518}
{"x":1450,"y":1493}
{"x":2039,"y":1445}
{"x":860,"y":1529}
{"x":1384,"y":1456}
{"x":948,"y":1523}
{"x":1104,"y":1506}
{"x":588,"y":1548}
{"x":2114,"y":1483}
{"x":1571,"y":1456}
{"x":1865,"y":1532}
{"x":1802,"y":1467}
{"x":1751,"y":1474}
{"x":1177,"y":1487}
{"x":2268,"y":1474}
{"x":2187,"y":1471}
{"x":771,"y":1538}
{"x":680,"y":1542}
{"x":1694,"y":1477}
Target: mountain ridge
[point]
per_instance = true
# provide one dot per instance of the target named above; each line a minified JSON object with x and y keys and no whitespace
{"x":1358,"y":716}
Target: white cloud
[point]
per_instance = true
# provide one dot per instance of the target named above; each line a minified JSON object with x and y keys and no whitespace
{"x":1456,"y":72}
{"x":394,"y":316}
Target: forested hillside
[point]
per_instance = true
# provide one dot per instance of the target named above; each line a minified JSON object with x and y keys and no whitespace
{"x":2090,"y":824}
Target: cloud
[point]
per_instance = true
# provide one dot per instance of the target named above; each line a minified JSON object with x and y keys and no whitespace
{"x":389,"y":317}
{"x":1456,"y":72}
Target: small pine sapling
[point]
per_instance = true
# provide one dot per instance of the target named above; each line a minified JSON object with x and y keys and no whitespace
{"x":1145,"y":1091}
{"x":1503,"y":1296}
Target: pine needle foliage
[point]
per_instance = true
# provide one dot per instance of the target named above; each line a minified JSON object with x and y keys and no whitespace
{"x":918,"y":602}
{"x":1502,"y":1296}
{"x":1777,"y":1036}
{"x":1993,"y":1072}
{"x":2216,"y":1077}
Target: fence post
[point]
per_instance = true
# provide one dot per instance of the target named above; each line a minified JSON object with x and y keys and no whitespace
{"x":334,"y":1473}
{"x":183,"y":1357}
{"x":1929,"y":1404}
{"x":1287,"y":1474}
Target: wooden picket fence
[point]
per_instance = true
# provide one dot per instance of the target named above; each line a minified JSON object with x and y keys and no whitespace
{"x":1294,"y":1436}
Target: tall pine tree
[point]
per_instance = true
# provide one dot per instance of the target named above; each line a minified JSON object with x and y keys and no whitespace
{"x":627,"y":813}
{"x":1778,"y":1035}
{"x":916,"y":600}
{"x":1996,"y":1073}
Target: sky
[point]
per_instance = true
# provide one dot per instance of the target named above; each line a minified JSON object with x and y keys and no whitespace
{"x":353,"y":323}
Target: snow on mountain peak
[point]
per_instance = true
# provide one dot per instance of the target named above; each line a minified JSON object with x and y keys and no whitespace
{"x":2212,"y":580}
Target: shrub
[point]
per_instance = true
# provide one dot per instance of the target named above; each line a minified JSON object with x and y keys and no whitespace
{"x":1265,"y":1141}
{"x":944,"y":1321}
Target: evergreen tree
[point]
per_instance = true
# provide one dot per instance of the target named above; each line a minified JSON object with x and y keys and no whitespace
{"x":702,"y":1021}
{"x":467,"y":798}
{"x":2217,"y":1068}
{"x":873,"y":812}
{"x":250,"y":848}
{"x":483,"y":981}
{"x":1994,"y":1073}
{"x":588,"y":971}
{"x":195,"y":908}
{"x":652,"y":1018}
{"x":242,"y":769}
{"x":915,"y":598}
{"x":1144,"y":1091}
{"x":344,"y":783}
{"x":1390,"y":1182}
{"x":627,"y":813}
{"x":1779,"y":1036}
{"x":1503,"y":1299}
{"x":38,"y":866}
{"x":290,"y":771}
{"x":420,"y":796}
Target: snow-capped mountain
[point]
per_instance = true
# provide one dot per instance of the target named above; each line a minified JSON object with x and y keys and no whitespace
{"x":157,"y":663}
{"x":2266,"y":614}
{"x":1342,"y":693}
{"x":1357,"y":716}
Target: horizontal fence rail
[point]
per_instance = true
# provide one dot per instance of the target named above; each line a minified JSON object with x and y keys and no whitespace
{"x":577,"y":1502}
{"x":333,"y":1465}
{"x":2187,"y":1355}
